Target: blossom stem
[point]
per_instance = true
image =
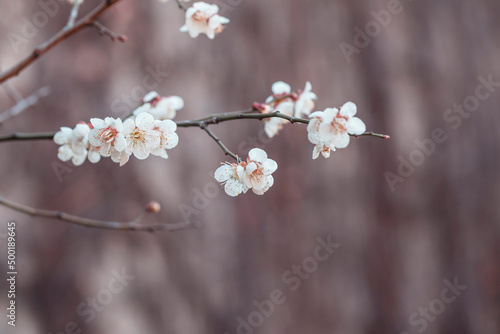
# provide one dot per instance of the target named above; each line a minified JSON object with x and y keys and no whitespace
{"x":219,"y":142}
{"x":66,"y":32}
{"x":134,"y":225}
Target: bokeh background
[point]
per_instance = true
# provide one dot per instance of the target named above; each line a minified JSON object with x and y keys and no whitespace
{"x":396,"y":247}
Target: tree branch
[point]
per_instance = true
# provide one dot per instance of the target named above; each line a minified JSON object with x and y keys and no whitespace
{"x":73,"y":14}
{"x":219,"y":142}
{"x":103,"y":30}
{"x":56,"y":39}
{"x":181,"y":5}
{"x":134,"y":225}
{"x":24,"y":104}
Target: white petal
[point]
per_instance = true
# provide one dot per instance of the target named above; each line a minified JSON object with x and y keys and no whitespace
{"x":269,"y":166}
{"x":356,"y":126}
{"x":223,"y":173}
{"x":98,"y":123}
{"x":256,"y":154}
{"x":120,"y":142}
{"x":348,"y":109}
{"x":341,"y":141}
{"x":281,"y":87}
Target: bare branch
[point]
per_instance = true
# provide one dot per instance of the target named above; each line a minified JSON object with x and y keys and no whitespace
{"x":24,"y":104}
{"x":219,"y":142}
{"x":103,"y":30}
{"x":181,"y":5}
{"x":134,"y":225}
{"x":73,"y":14}
{"x":57,"y":38}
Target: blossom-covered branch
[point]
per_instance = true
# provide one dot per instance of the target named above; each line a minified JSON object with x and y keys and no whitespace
{"x":66,"y":32}
{"x":134,"y":225}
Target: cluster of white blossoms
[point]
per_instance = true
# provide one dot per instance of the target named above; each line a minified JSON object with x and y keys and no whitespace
{"x":202,"y":18}
{"x":330,"y":129}
{"x":254,"y":173}
{"x":296,"y":104}
{"x":146,"y":132}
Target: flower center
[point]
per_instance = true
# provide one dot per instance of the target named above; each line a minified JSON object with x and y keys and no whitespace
{"x":339,"y":124}
{"x":138,"y":137}
{"x":108,"y":135}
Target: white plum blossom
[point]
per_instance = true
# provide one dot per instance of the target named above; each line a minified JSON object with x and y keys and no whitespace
{"x":330,"y":129}
{"x":279,"y":101}
{"x":140,"y":137}
{"x":168,"y":138}
{"x":160,"y":107}
{"x":74,"y":143}
{"x":254,"y":173}
{"x":232,"y":175}
{"x":280,"y":89}
{"x":202,"y":18}
{"x":258,"y":171}
{"x":106,"y":136}
{"x":306,"y":102}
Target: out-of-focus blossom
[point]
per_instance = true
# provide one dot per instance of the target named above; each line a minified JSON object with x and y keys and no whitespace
{"x":202,"y":18}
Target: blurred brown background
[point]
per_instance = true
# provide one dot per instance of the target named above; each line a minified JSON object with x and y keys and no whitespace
{"x":396,"y":247}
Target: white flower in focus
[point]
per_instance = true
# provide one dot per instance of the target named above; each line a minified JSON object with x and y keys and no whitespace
{"x":330,"y":129}
{"x":73,"y":143}
{"x":338,"y":125}
{"x":305,"y":103}
{"x":159,"y":106}
{"x":232,"y":176}
{"x":258,"y":170}
{"x":107,"y":136}
{"x":140,"y":137}
{"x":168,"y":138}
{"x":202,"y":18}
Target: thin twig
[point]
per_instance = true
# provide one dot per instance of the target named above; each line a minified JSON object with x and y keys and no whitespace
{"x":181,"y":5}
{"x":24,"y":104}
{"x":73,"y":14}
{"x":56,"y":39}
{"x":134,"y":225}
{"x":103,"y":30}
{"x":219,"y":142}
